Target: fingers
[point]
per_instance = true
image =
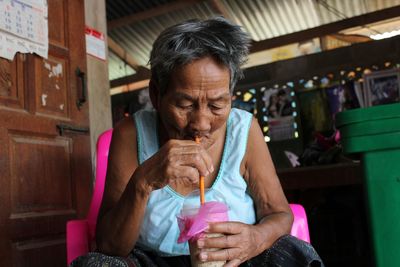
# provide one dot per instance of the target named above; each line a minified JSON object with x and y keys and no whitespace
{"x":234,"y":247}
{"x":185,"y":173}
{"x":187,"y":165}
{"x":231,"y":228}
{"x":226,"y":241}
{"x":220,"y":255}
{"x":197,"y":157}
{"x":188,"y":153}
{"x":207,"y":159}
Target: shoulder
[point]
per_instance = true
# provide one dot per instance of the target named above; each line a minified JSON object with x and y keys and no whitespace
{"x":240,"y":120}
{"x":255,"y":146}
{"x":124,"y":136}
{"x":128,"y":126}
{"x":239,"y":116}
{"x":240,"y":113}
{"x":256,"y":137}
{"x":125,"y":128}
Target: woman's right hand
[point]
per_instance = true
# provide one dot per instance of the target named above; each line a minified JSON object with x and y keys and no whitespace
{"x":178,"y":161}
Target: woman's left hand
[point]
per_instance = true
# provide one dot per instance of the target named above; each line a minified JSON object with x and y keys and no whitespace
{"x":240,"y":243}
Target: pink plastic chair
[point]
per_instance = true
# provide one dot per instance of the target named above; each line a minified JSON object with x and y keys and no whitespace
{"x":300,"y":224}
{"x":81,"y":233}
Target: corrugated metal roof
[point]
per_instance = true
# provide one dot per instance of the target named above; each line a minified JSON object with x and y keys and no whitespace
{"x":262,"y":19}
{"x":117,"y":67}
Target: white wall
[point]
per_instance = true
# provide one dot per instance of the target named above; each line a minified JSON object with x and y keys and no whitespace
{"x":97,"y":78}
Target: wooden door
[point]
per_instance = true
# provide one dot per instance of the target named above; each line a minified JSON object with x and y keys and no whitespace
{"x":45,"y":177}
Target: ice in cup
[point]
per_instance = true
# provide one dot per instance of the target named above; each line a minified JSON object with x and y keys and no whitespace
{"x":194,"y":218}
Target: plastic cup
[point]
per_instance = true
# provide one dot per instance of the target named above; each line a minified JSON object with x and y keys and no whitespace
{"x":195,"y":251}
{"x":191,"y":211}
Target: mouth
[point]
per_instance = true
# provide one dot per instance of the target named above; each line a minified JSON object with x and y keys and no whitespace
{"x":202,"y":138}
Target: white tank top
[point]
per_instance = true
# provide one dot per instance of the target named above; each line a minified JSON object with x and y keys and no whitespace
{"x":159,"y":230}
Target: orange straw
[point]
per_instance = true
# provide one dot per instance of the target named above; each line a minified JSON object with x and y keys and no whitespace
{"x":201,"y":183}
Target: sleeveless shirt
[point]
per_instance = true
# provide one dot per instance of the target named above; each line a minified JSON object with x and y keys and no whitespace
{"x":159,"y":230}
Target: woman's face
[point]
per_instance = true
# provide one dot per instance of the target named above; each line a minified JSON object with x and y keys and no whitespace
{"x":197,"y":102}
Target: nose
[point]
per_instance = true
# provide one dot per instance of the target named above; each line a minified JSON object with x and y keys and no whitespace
{"x":200,"y":121}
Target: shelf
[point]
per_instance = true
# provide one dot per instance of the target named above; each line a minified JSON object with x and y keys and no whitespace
{"x":340,"y":174}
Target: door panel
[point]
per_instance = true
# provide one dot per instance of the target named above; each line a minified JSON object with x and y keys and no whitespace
{"x":57,"y":21}
{"x":32,"y":178}
{"x":45,"y":178}
{"x":11,"y":88}
{"x":40,"y":252}
{"x":51,"y":84}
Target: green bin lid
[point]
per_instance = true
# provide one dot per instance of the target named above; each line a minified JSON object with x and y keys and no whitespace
{"x":367,"y":114}
{"x":371,"y":128}
{"x":369,"y":121}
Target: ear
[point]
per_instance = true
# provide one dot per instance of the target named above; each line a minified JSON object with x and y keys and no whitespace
{"x":154,"y":94}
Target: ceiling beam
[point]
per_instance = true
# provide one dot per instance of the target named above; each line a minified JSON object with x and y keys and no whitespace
{"x":122,"y":54}
{"x":152,"y":12}
{"x":326,"y":29}
{"x":130,"y":87}
{"x":351,"y":38}
{"x":141,"y":74}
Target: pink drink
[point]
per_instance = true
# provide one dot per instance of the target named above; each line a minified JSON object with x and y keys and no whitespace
{"x":193,"y":221}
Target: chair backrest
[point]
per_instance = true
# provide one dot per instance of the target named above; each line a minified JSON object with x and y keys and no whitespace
{"x":102,"y":148}
{"x":300,"y":225}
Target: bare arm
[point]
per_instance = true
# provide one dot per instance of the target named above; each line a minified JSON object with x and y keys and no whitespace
{"x":274,"y":218}
{"x":273,"y":212}
{"x":128,"y":185}
{"x":124,"y":198}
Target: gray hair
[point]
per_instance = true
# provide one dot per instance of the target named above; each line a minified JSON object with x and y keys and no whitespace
{"x":194,"y":39}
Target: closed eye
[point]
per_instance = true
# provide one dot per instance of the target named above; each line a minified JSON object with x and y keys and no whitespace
{"x":186,"y":107}
{"x":215,"y":107}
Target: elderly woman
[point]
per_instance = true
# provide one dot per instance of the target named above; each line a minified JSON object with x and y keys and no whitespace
{"x":154,"y":162}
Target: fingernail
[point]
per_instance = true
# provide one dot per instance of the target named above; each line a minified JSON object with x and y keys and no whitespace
{"x":200,"y":243}
{"x":211,"y":169}
{"x":203,"y":256}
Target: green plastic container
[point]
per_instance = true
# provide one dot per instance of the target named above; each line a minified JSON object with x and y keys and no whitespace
{"x":375,"y":133}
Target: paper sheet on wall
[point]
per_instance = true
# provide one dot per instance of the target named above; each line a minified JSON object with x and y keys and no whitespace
{"x":23,"y":27}
{"x":95,"y":43}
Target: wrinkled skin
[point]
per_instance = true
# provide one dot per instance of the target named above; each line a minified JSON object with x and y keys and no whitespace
{"x":197,"y":102}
